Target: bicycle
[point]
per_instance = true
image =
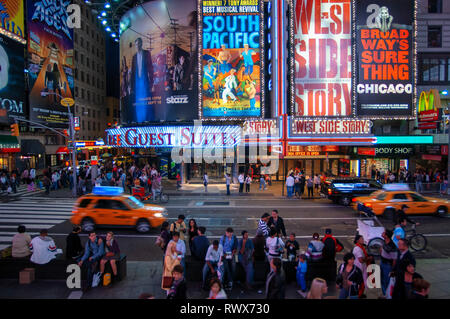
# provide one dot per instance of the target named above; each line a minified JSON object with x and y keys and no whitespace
{"x":416,"y":241}
{"x":139,"y":193}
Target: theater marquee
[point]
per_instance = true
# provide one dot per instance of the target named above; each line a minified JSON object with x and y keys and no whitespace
{"x":331,"y":127}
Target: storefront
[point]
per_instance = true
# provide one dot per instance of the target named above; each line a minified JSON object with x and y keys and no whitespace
{"x":9,"y":148}
{"x":32,"y":155}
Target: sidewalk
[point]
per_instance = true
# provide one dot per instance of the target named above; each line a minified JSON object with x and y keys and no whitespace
{"x":146,"y":277}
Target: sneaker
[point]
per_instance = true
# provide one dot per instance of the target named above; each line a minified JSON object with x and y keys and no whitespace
{"x":302,"y":293}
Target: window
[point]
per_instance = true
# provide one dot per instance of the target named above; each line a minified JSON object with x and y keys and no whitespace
{"x":88,"y":81}
{"x":82,"y":94}
{"x":81,"y":40}
{"x":103,"y":204}
{"x":89,"y":125}
{"x":382,"y":196}
{"x":107,"y":111}
{"x":84,"y":203}
{"x":400,"y":197}
{"x":434,"y":68}
{"x":51,"y":140}
{"x":82,"y":58}
{"x":89,"y":96}
{"x":115,"y":204}
{"x":87,"y":61}
{"x":417,"y":198}
{"x":76,"y":88}
{"x":82,"y":76}
{"x":76,"y":74}
{"x":75,"y":37}
{"x":434,"y":6}
{"x":76,"y":55}
{"x":93,"y":126}
{"x":87,"y":45}
{"x":434,"y":36}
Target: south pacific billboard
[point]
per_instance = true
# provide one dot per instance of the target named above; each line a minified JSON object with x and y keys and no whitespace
{"x":384,"y":71}
{"x":12,"y":82}
{"x":231,"y":65}
{"x":12,"y":19}
{"x":50,"y":61}
{"x":159,"y":62}
{"x":321,"y":77}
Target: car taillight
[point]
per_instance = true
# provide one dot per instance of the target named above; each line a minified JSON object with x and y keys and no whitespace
{"x":354,"y":199}
{"x":329,"y":191}
{"x":368,"y":204}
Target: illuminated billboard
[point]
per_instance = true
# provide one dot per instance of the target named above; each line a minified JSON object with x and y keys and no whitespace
{"x":322,"y":63}
{"x":158,"y":61}
{"x":12,"y":82}
{"x":384,"y":72}
{"x":12,"y":24}
{"x":50,"y":61}
{"x":231,"y":65}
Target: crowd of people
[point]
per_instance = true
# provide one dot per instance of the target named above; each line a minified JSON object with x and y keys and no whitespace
{"x":230,"y":260}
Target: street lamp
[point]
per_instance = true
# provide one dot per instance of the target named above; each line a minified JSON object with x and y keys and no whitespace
{"x":72,"y":137}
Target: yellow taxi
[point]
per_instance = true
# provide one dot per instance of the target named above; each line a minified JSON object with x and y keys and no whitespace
{"x":110,"y":207}
{"x":393,"y":197}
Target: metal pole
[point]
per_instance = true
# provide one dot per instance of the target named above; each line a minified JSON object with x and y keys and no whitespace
{"x":448,"y":152}
{"x":74,"y":150}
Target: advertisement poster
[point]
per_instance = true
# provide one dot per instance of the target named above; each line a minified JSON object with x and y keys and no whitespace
{"x":12,"y":24}
{"x":385,"y":62}
{"x":322,"y":37}
{"x":12,"y":82}
{"x":50,"y":65}
{"x":231,"y":61}
{"x":158,"y":62}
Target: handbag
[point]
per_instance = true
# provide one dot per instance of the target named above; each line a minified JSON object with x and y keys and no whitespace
{"x":96,"y":279}
{"x":167,"y":282}
{"x":160,"y":242}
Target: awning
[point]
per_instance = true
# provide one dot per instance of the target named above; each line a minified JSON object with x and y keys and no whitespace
{"x":9,"y":144}
{"x":31,"y":147}
{"x":62,"y":150}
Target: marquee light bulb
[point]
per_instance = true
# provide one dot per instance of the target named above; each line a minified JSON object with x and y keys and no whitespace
{"x":107,"y":5}
{"x":103,"y":13}
{"x":104,"y":22}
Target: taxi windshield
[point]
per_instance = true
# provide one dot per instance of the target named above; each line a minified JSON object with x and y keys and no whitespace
{"x":133,"y":202}
{"x":380,"y":195}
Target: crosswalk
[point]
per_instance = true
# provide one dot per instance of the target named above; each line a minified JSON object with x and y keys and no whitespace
{"x":34,"y":213}
{"x":22,"y":191}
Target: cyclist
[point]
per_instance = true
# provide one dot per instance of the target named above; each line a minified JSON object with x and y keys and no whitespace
{"x":400,"y":214}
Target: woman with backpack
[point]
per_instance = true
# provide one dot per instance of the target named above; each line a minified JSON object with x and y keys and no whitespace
{"x":349,"y":278}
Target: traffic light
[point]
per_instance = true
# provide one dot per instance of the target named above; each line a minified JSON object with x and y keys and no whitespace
{"x":15,"y":129}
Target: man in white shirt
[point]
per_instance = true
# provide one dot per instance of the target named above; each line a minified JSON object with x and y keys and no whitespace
{"x":213,"y":256}
{"x":275,"y":245}
{"x":241,"y":180}
{"x":228,"y":182}
{"x":43,"y":248}
{"x":290,"y":182}
{"x":181,"y":247}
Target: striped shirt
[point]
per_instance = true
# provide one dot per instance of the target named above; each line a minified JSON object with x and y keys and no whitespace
{"x":262,"y":228}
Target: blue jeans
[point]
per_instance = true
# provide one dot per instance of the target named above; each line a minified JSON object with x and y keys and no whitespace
{"x":301,"y":281}
{"x":344,"y":294}
{"x":206,"y":271}
{"x":419,"y":187}
{"x":290,"y":190}
{"x":228,"y":190}
{"x":248,"y":269}
{"x":262,"y":185}
{"x":385,"y":270}
{"x":229,"y":267}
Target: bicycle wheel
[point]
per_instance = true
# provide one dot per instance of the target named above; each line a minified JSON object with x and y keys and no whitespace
{"x":418,"y":242}
{"x":375,"y":246}
{"x":163,"y":198}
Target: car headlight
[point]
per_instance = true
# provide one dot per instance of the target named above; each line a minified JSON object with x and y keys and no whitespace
{"x":158,"y":215}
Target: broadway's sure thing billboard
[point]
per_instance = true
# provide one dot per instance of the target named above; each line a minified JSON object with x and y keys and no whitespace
{"x":158,"y":61}
{"x":50,"y":65}
{"x":322,"y":64}
{"x":231,"y":63}
{"x":12,"y":24}
{"x":385,"y":62}
{"x":12,"y":84}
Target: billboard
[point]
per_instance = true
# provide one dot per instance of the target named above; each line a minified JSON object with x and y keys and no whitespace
{"x":384,"y":71}
{"x":322,"y":64}
{"x":12,"y":24}
{"x":50,"y":64}
{"x":12,"y":83}
{"x":231,"y":64}
{"x":158,"y":61}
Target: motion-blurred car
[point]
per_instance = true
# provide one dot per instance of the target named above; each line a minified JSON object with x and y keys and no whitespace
{"x":387,"y":201}
{"x":343,"y":190}
{"x":109,"y":207}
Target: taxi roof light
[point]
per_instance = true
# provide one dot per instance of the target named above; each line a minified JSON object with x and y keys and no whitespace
{"x":396,"y":187}
{"x":107,"y":190}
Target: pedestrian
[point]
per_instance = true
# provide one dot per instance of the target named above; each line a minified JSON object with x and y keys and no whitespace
{"x":331,"y":246}
{"x":170,"y":261}
{"x":275,"y":283}
{"x":248,"y":182}
{"x":165,"y":236}
{"x":21,"y":243}
{"x":192,"y":232}
{"x":241,"y":180}
{"x":178,"y":289}
{"x":228,"y":182}
{"x":420,"y":288}
{"x":310,"y":186}
{"x":349,"y":278}
{"x":179,"y":226}
{"x":216,"y":290}
{"x":245,"y":257}
{"x":262,"y":225}
{"x":262,"y":183}
{"x":297,"y":186}
{"x":388,"y":256}
{"x":290,"y":185}
{"x":301,"y":270}
{"x":399,"y":232}
{"x":277,"y":222}
{"x":274,"y":245}
{"x":229,"y":243}
{"x":362,"y":260}
{"x":200,"y":244}
{"x":74,"y":249}
{"x":259,"y":244}
{"x":93,"y":253}
{"x":317,"y":183}
{"x":212,"y":259}
{"x":112,"y":253}
{"x":180,"y":247}
{"x":205,"y":181}
{"x":43,"y":248}
{"x":404,"y":258}
{"x":403,"y":287}
{"x":292,"y":247}
{"x":178,"y":181}
{"x":318,"y":289}
{"x":419,"y":181}
{"x":401,"y":214}
{"x":315,"y":248}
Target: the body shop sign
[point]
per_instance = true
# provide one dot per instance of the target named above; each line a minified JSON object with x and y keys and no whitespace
{"x":394,"y":151}
{"x":332,"y":127}
{"x":175,"y":136}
